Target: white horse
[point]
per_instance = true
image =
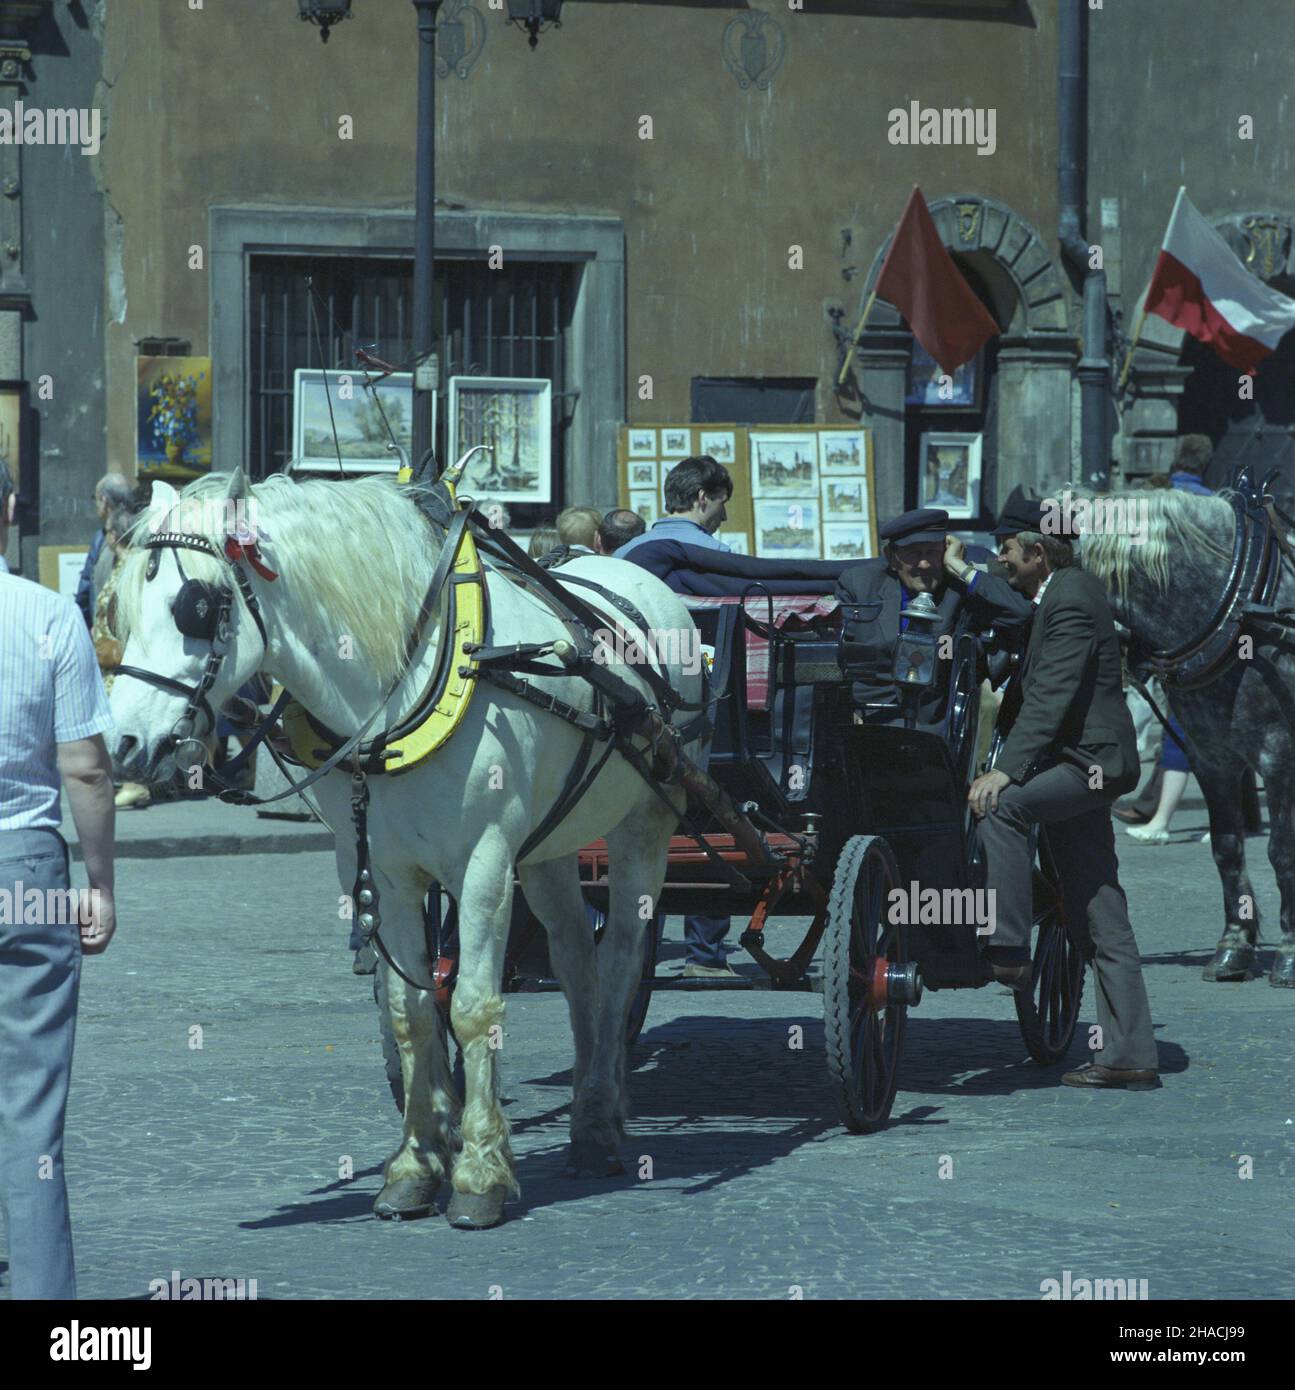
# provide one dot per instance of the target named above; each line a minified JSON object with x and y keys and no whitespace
{"x":352,"y":562}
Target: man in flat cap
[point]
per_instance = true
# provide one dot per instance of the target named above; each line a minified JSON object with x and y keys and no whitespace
{"x":1069,"y":752}
{"x":920,"y":557}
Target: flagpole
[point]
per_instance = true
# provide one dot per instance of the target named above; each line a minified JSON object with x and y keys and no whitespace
{"x":854,"y":341}
{"x":1128,"y":361}
{"x":1142,"y":312}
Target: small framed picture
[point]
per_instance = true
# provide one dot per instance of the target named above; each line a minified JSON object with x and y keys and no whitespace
{"x":847,"y":540}
{"x":720,"y":445}
{"x":645,"y":504}
{"x":843,"y":451}
{"x":845,"y":497}
{"x":513,"y":416}
{"x":930,"y":387}
{"x":949,"y":473}
{"x":642,"y":444}
{"x":737,"y":541}
{"x":643,"y":473}
{"x":784,"y":465}
{"x":675,"y":443}
{"x":787,"y":528}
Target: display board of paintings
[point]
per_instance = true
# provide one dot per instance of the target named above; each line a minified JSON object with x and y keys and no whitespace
{"x":799,"y":492}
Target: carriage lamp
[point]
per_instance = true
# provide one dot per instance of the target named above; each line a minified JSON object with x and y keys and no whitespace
{"x":915,"y":654}
{"x":535,"y":16}
{"x":324,"y":13}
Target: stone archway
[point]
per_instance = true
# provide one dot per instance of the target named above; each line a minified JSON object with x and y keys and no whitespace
{"x":1264,"y":243}
{"x":1037,"y":352}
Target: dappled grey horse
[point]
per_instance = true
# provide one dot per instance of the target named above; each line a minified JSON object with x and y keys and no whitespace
{"x":1201,"y":583}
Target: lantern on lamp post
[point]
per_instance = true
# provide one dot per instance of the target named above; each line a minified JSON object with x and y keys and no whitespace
{"x":535,"y":16}
{"x":324,"y":13}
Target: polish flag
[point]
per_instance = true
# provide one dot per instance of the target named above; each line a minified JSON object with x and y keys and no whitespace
{"x":1201,"y":287}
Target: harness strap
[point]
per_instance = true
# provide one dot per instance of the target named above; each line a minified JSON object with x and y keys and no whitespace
{"x":590,"y":724}
{"x":1142,"y":690}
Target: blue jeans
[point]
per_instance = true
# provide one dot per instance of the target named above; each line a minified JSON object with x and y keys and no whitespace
{"x":704,"y":937}
{"x":40,"y":976}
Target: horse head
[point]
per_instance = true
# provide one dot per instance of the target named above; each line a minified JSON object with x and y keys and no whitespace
{"x":190,"y":638}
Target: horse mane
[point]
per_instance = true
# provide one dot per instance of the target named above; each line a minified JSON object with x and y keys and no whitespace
{"x":355,"y":556}
{"x":1176,"y":521}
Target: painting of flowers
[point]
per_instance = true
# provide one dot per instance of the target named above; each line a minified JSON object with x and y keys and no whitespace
{"x":173,"y":420}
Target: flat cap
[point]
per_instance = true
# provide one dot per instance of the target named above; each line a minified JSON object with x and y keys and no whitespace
{"x":915,"y":527}
{"x":1048,"y":518}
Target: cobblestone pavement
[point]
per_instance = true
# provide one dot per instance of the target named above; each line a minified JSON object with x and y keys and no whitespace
{"x":224,"y":1161}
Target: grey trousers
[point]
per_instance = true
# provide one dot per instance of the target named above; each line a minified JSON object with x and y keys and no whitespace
{"x":1083,"y":843}
{"x":40,"y":974}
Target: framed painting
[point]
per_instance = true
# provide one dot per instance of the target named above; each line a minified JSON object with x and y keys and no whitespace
{"x":843,"y":451}
{"x":720,"y":445}
{"x":931,"y":388}
{"x":675,"y":442}
{"x":784,"y":465}
{"x":362,"y":416}
{"x":513,"y":417}
{"x":646,"y":505}
{"x":643,"y":473}
{"x":845,"y":498}
{"x":787,"y":528}
{"x":13,"y":434}
{"x":173,"y":417}
{"x":737,"y":541}
{"x":642,"y":443}
{"x":847,"y":540}
{"x":949,"y":473}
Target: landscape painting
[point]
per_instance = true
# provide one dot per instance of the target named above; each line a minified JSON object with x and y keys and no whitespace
{"x":787,"y":530}
{"x":843,"y":451}
{"x":362,"y":416}
{"x":512,"y":416}
{"x":847,"y":540}
{"x":784,"y":465}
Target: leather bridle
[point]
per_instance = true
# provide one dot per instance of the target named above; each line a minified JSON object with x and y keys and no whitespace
{"x":215,"y":629}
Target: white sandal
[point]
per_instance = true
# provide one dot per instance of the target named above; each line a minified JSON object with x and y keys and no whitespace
{"x":1144,"y":835}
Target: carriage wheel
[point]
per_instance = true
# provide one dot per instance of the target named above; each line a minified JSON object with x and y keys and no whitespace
{"x":868,"y":984}
{"x":1049,"y":1010}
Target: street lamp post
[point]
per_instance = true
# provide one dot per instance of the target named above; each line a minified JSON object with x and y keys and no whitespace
{"x":533,"y":16}
{"x":425,"y":371}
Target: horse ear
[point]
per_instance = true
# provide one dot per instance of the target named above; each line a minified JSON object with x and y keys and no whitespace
{"x":237,"y":484}
{"x":163,"y":497}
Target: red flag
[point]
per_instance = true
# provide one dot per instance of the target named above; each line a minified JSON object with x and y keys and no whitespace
{"x":920,"y":279}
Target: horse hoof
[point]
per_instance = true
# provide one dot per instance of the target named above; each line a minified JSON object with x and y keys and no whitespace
{"x":476,"y":1211}
{"x":585,"y":1160}
{"x":1231,"y":962}
{"x":406,"y":1199}
{"x":1282,"y":975}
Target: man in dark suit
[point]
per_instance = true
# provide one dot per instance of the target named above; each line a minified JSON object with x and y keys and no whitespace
{"x":920,"y":558}
{"x":1069,"y":752}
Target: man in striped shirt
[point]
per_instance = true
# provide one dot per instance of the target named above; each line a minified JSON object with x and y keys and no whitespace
{"x":53,"y":715}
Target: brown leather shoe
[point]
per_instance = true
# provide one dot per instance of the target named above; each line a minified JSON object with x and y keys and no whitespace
{"x":1013,"y":976}
{"x":1090,"y":1074}
{"x":1130,"y":815}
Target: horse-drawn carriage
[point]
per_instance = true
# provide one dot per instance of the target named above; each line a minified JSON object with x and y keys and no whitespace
{"x":863,"y":828}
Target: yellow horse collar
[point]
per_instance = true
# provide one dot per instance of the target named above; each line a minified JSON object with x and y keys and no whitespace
{"x":443,"y":704}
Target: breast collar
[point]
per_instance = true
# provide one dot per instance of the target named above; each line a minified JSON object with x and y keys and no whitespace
{"x":1258,"y":546}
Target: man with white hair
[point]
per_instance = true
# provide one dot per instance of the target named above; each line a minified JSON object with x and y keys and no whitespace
{"x":110,"y":492}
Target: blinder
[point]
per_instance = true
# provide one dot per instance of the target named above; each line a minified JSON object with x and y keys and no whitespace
{"x":197,"y":607}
